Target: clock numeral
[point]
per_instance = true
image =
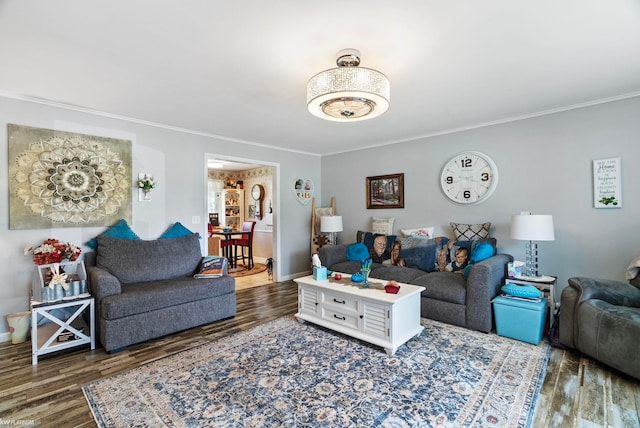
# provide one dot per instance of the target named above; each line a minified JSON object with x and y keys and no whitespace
{"x":484,"y":176}
{"x":466,"y":163}
{"x":449,"y":180}
{"x":466,"y":194}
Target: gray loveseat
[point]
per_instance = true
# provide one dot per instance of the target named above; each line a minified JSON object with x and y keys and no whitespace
{"x":145,"y":289}
{"x":601,"y":318}
{"x":448,"y":296}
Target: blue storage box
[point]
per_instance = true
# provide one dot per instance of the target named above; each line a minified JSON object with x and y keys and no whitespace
{"x":520,"y":319}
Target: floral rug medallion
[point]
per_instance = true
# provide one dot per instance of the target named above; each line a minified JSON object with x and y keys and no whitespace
{"x":288,"y":374}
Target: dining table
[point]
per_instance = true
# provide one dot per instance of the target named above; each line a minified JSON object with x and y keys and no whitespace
{"x":228,"y":251}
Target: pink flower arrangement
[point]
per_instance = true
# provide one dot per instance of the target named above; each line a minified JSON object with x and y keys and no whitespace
{"x":53,"y":251}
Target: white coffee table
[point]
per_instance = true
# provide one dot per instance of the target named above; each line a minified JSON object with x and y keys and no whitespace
{"x":369,"y":314}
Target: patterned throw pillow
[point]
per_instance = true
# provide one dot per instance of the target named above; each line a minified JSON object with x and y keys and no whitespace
{"x":368,"y":239}
{"x":419,"y":232}
{"x":422,"y":253}
{"x":470,"y":232}
{"x":382,"y":226}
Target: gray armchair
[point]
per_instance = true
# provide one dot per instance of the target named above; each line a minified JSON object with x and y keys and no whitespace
{"x":601,"y":318}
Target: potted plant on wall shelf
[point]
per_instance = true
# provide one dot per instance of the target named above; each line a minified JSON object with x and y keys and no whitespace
{"x":145,"y":184}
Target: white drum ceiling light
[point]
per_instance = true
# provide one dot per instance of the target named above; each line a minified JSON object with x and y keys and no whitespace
{"x":348,"y":93}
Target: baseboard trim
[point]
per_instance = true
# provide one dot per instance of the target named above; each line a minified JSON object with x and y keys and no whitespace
{"x":294,"y":276}
{"x":5,"y":337}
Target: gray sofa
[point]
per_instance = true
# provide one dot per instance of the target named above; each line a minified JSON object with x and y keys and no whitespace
{"x":601,"y":318}
{"x":145,"y":289}
{"x":447,"y":297}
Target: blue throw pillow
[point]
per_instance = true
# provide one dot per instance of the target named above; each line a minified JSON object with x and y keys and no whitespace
{"x":119,"y":230}
{"x":526,"y":291}
{"x":481,"y":251}
{"x":357,"y":252}
{"x":175,"y":231}
{"x":422,"y":253}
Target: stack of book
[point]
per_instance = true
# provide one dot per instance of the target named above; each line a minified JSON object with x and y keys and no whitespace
{"x":211,"y":267}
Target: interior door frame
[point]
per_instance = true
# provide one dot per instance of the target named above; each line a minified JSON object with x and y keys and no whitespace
{"x":275,"y":186}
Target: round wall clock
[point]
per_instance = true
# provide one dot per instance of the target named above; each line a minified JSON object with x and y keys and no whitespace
{"x":469,"y":178}
{"x":257,"y":192}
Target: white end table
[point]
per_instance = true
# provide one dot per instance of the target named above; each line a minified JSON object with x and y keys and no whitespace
{"x":44,"y":338}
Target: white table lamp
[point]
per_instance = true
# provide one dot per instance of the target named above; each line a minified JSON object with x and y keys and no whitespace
{"x":529,"y":227}
{"x":331,"y":224}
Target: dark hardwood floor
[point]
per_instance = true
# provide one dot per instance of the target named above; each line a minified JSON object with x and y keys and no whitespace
{"x":576,"y":392}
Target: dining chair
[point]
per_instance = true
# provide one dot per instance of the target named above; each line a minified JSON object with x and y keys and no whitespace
{"x":246,"y":241}
{"x":227,"y":247}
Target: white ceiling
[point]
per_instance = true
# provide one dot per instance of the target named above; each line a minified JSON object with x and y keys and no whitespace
{"x":238,"y":69}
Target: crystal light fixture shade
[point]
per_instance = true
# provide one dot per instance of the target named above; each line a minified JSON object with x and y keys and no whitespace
{"x":348,"y":93}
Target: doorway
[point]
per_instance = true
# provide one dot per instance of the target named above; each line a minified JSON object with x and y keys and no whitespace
{"x":229,"y":201}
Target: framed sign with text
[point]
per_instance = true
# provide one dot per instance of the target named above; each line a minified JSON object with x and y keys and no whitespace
{"x":607,"y":186}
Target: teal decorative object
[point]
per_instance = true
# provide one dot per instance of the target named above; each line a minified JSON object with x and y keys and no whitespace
{"x":357,"y":277}
{"x":525,"y":291}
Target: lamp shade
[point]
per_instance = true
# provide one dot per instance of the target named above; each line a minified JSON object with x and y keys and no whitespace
{"x":532,"y":227}
{"x":332,"y":223}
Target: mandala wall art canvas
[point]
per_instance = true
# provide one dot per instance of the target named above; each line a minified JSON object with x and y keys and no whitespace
{"x":64,"y":179}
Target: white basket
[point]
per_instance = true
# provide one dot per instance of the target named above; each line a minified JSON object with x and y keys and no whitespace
{"x":39,"y":294}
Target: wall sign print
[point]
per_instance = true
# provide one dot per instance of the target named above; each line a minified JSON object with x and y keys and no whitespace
{"x":63,"y":179}
{"x":607,"y":186}
{"x":303,"y":189}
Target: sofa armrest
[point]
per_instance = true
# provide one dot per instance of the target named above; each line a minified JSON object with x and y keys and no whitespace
{"x":581,"y":289}
{"x":483,"y":285}
{"x":332,"y":254}
{"x":102,"y":283}
{"x":611,"y":291}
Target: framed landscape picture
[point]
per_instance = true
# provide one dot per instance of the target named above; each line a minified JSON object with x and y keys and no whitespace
{"x":385,"y":191}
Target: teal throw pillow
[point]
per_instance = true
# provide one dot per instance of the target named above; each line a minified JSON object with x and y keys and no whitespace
{"x":467,"y":269}
{"x":119,"y":230}
{"x":175,"y":231}
{"x":357,"y":252}
{"x":525,"y":291}
{"x":482,"y":251}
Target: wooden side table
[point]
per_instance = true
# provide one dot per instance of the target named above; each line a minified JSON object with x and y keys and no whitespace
{"x":546,"y":284}
{"x":60,"y":334}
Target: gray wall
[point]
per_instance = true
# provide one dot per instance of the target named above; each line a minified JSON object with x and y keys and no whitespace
{"x":544,"y":167}
{"x":177,"y":162}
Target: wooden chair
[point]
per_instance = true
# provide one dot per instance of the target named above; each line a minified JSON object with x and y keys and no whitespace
{"x":246,"y":241}
{"x":318,"y":240}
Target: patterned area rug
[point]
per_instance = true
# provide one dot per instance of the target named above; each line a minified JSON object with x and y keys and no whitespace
{"x":288,"y":374}
{"x":243,"y":271}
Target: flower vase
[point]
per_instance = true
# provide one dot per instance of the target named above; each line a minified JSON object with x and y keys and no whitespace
{"x":365,"y":276}
{"x":144,"y":195}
